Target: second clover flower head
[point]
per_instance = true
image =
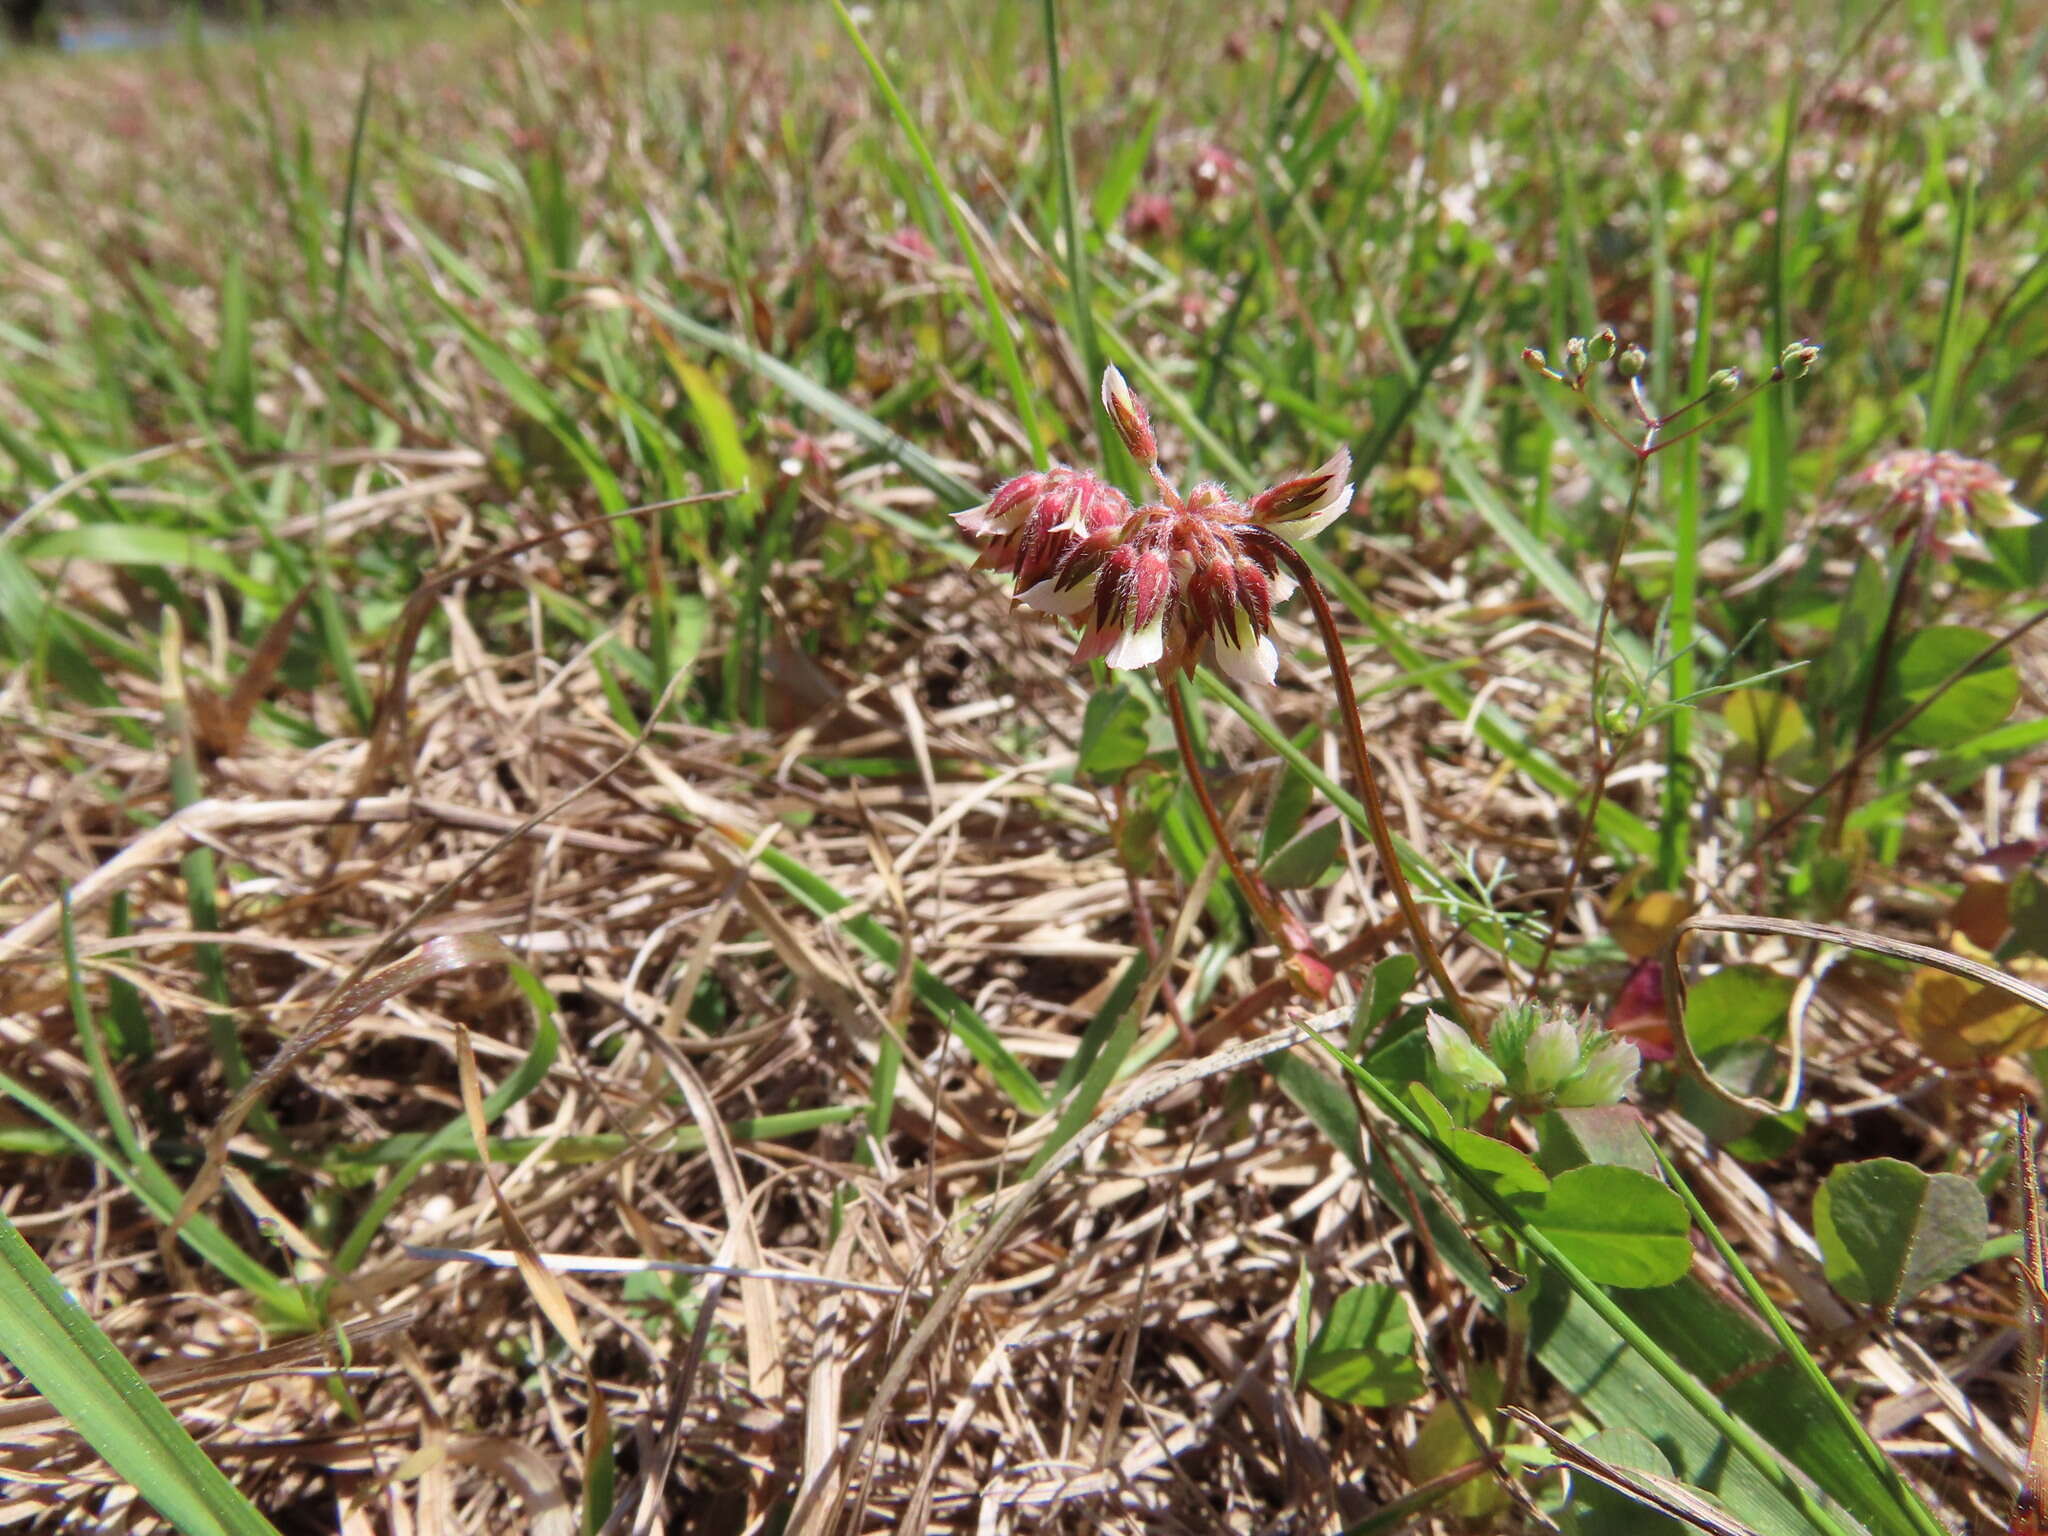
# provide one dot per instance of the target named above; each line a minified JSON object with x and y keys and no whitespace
{"x":1540,"y":1057}
{"x":1155,"y":584}
{"x":1943,"y":498}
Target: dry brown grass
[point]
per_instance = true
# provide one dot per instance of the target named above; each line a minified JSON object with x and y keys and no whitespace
{"x":1120,"y":1360}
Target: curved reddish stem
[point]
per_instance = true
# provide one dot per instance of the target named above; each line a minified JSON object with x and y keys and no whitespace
{"x":1368,"y":783}
{"x":1311,"y":977}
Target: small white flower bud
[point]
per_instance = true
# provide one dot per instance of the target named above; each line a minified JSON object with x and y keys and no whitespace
{"x":1459,"y":1058}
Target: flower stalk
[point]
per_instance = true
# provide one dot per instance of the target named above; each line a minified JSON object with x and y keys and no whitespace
{"x":1368,"y":783}
{"x":1726,"y":392}
{"x":1307,"y":971}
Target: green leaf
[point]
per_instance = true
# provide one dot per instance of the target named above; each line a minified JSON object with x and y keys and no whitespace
{"x":1506,"y":1172}
{"x":1290,"y":805}
{"x":1119,"y":178}
{"x":1738,"y":1002}
{"x":1597,"y":1510}
{"x":1849,"y":642}
{"x":1113,"y":737}
{"x":2017,"y":559}
{"x":1768,"y":726}
{"x":1619,"y":1225}
{"x":1307,"y":856}
{"x":1983,"y":696}
{"x":2026,"y":904}
{"x":1365,"y":1351}
{"x":1888,"y":1231}
{"x":1602,"y":1133}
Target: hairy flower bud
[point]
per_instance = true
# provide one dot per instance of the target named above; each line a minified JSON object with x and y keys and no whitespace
{"x":1133,"y":424}
{"x":1633,"y":360}
{"x":1301,"y":508}
{"x":1551,"y":1056}
{"x":1725,"y":381}
{"x":1459,"y":1057}
{"x":1602,"y":346}
{"x":1608,"y":1072}
{"x":1798,"y":359}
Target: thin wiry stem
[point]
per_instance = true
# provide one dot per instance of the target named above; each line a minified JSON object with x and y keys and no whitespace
{"x":1604,"y":751}
{"x":1873,"y":694}
{"x":1878,"y":741}
{"x":1368,"y":782}
{"x":1256,"y":891}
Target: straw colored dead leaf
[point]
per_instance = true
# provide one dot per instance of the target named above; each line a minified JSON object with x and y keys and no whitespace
{"x":1960,"y":1022}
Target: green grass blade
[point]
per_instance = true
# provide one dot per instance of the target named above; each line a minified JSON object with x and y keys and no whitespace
{"x":812,"y":395}
{"x":1078,"y":286}
{"x":1849,"y":1450}
{"x":1948,"y":347}
{"x":130,"y":544}
{"x":402,"y":1150}
{"x":1419,"y":869}
{"x":454,"y":1136}
{"x":332,"y":624}
{"x":952,"y":1010}
{"x":998,"y":319}
{"x":162,"y":1200}
{"x":48,"y":1336}
{"x":1103,"y":1066}
{"x":1121,"y":995}
{"x":1771,"y":439}
{"x":234,"y":374}
{"x":1617,"y":823}
{"x":1674,"y":831}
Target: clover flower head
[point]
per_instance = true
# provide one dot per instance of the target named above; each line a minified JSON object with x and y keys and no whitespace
{"x":1942,"y":498}
{"x":1541,"y":1057}
{"x":1155,"y":585}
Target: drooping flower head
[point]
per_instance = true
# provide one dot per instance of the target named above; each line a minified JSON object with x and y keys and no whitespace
{"x":1942,"y":498}
{"x":1156,"y":584}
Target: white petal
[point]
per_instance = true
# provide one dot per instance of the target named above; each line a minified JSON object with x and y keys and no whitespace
{"x":1955,"y":532}
{"x":1067,"y":602}
{"x":1245,"y":665}
{"x":1283,"y":586}
{"x":2003,"y":512}
{"x":1116,"y":393}
{"x":1300,"y":530}
{"x":1136,"y":648}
